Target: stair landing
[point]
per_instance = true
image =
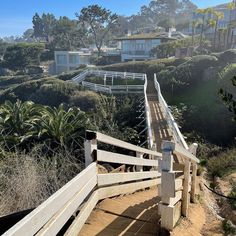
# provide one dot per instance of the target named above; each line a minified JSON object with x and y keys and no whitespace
{"x":132,"y":214}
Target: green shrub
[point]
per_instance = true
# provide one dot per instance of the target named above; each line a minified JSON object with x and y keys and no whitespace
{"x":69,"y":75}
{"x":47,"y":55}
{"x":86,"y":100}
{"x":228,"y":227}
{"x":222,"y":164}
{"x":233,"y":195}
{"x":227,"y":56}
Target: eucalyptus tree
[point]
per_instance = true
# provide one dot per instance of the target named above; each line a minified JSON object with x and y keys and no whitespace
{"x":98,"y":21}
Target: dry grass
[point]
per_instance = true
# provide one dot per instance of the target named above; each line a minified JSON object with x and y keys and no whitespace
{"x":26,"y":180}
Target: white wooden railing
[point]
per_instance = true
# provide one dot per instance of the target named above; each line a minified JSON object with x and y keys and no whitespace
{"x":148,"y":116}
{"x":119,"y":89}
{"x":177,"y":135}
{"x":51,"y":215}
{"x":82,"y":193}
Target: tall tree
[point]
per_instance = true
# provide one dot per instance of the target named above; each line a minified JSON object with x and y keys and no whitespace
{"x":218,"y":16}
{"x":203,"y":13}
{"x":98,"y":21}
{"x":68,"y":35}
{"x":43,"y":26}
{"x":37,"y":26}
{"x":231,"y":6}
{"x":195,"y":24}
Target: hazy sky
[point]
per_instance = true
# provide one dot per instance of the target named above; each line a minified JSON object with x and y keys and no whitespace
{"x":16,"y":15}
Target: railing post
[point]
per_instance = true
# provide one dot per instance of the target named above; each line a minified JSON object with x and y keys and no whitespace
{"x":139,"y":155}
{"x":90,"y":145}
{"x":193,"y":150}
{"x":185,"y":194}
{"x":167,"y":186}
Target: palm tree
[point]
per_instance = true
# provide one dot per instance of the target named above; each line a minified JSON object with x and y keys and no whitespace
{"x":203,"y":13}
{"x":61,"y":126}
{"x":218,"y":16}
{"x":231,"y":6}
{"x":195,"y":24}
{"x":18,"y":121}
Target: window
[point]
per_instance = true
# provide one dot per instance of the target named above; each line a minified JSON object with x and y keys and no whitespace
{"x":73,"y":59}
{"x":61,"y":59}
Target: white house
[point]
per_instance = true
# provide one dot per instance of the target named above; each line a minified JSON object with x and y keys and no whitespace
{"x":70,"y":60}
{"x":138,"y":47}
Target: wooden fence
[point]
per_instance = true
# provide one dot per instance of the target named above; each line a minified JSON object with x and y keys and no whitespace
{"x":83,"y":192}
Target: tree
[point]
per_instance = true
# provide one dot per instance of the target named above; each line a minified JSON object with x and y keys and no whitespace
{"x":43,"y":26}
{"x":98,"y":21}
{"x":28,"y":34}
{"x":195,"y":24}
{"x":37,"y":26}
{"x":20,"y":55}
{"x":218,"y":16}
{"x":231,"y":6}
{"x":229,"y":99}
{"x":203,"y":13}
{"x":68,"y":34}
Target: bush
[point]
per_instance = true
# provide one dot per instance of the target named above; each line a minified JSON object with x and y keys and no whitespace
{"x":227,"y":56}
{"x":47,"y":55}
{"x":222,"y":164}
{"x":69,"y":75}
{"x":233,"y":195}
{"x":86,"y":100}
{"x":29,"y":179}
{"x":228,"y":227}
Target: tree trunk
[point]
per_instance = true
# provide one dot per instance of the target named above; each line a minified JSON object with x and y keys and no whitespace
{"x":214,"y":45}
{"x":202,"y":30}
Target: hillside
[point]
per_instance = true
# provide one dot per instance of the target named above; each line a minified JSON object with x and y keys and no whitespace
{"x":192,"y":85}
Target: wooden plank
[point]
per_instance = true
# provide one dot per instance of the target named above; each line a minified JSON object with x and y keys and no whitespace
{"x":167,"y":184}
{"x":185,"y":196}
{"x":185,"y":153}
{"x":111,"y":157}
{"x":84,"y":214}
{"x":118,"y":143}
{"x":89,"y":147}
{"x":126,"y":188}
{"x":108,"y":179}
{"x":34,"y":221}
{"x":173,"y":201}
{"x":58,"y":221}
{"x":193,"y":186}
{"x":139,"y":155}
{"x":167,"y":217}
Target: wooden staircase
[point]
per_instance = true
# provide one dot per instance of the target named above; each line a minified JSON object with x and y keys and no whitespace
{"x":132,"y":214}
{"x":127,"y":203}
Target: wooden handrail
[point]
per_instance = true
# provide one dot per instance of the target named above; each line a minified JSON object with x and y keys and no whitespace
{"x":118,"y":143}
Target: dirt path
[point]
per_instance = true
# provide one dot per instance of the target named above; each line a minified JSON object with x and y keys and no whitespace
{"x":202,"y":218}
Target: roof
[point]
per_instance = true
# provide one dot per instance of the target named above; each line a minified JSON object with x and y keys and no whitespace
{"x":162,"y":35}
